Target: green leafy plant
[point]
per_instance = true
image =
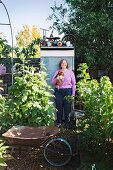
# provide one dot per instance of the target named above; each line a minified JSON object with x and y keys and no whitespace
{"x":91,"y":23}
{"x":97,"y":102}
{"x":29,"y":101}
{"x":5,"y":49}
{"x":31,"y":51}
{"x":2,"y":155}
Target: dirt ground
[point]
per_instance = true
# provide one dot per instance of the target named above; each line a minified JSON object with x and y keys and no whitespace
{"x":33,"y":158}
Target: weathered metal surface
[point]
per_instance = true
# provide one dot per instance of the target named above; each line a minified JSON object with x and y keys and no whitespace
{"x":30,"y":136}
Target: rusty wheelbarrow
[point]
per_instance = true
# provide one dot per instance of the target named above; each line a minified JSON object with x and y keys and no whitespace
{"x":57,"y":151}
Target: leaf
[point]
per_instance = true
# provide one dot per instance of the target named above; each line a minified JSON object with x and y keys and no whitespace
{"x":24,"y":98}
{"x":35,"y":88}
{"x":37,"y":104}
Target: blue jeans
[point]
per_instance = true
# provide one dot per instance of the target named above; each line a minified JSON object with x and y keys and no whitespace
{"x":63,"y":105}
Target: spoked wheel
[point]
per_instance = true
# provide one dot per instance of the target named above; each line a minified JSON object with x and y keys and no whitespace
{"x":57,"y":152}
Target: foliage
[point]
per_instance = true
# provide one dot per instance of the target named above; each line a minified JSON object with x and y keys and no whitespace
{"x":2,"y":155}
{"x":29,"y":101}
{"x":91,"y":22}
{"x":2,"y":104}
{"x":28,"y":42}
{"x":97,"y":100}
{"x":5,"y":49}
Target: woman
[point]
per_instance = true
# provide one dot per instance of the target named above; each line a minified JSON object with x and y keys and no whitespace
{"x":65,"y":85}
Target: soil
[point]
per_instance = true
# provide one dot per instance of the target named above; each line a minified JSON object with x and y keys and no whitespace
{"x":33,"y":158}
{"x":29,"y":158}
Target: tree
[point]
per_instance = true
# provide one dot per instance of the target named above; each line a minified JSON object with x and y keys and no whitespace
{"x":92,"y":24}
{"x":28,"y":42}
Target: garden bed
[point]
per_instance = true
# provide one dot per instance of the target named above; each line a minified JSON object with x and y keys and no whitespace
{"x":33,"y":159}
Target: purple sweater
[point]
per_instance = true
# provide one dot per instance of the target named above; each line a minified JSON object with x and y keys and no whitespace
{"x":69,"y":80}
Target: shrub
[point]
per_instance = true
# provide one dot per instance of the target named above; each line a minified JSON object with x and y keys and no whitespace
{"x":29,"y":101}
{"x":97,"y":100}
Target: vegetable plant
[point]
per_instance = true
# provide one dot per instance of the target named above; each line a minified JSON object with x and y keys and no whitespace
{"x":29,"y":101}
{"x":97,"y":102}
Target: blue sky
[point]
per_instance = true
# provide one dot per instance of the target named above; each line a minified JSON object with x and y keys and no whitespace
{"x":22,"y":12}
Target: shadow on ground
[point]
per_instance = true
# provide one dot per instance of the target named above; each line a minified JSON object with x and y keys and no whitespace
{"x":34,"y":160}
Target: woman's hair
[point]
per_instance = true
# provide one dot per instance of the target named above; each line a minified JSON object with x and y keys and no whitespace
{"x":62,"y":62}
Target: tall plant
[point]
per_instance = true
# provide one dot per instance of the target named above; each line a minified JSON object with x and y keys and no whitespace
{"x":97,"y":100}
{"x":91,"y":22}
{"x":28,"y":42}
{"x":29,"y":102}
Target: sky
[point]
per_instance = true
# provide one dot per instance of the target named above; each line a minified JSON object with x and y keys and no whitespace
{"x":26,"y":12}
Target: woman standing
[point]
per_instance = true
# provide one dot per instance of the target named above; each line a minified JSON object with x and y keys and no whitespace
{"x":65,"y":85}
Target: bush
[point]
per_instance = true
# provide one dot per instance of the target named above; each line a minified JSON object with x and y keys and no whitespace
{"x":97,"y":99}
{"x":29,"y":101}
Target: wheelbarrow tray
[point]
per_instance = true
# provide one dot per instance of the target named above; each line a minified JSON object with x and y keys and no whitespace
{"x":29,"y":136}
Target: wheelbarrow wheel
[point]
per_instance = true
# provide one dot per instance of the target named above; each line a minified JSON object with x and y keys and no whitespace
{"x":57,"y":152}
